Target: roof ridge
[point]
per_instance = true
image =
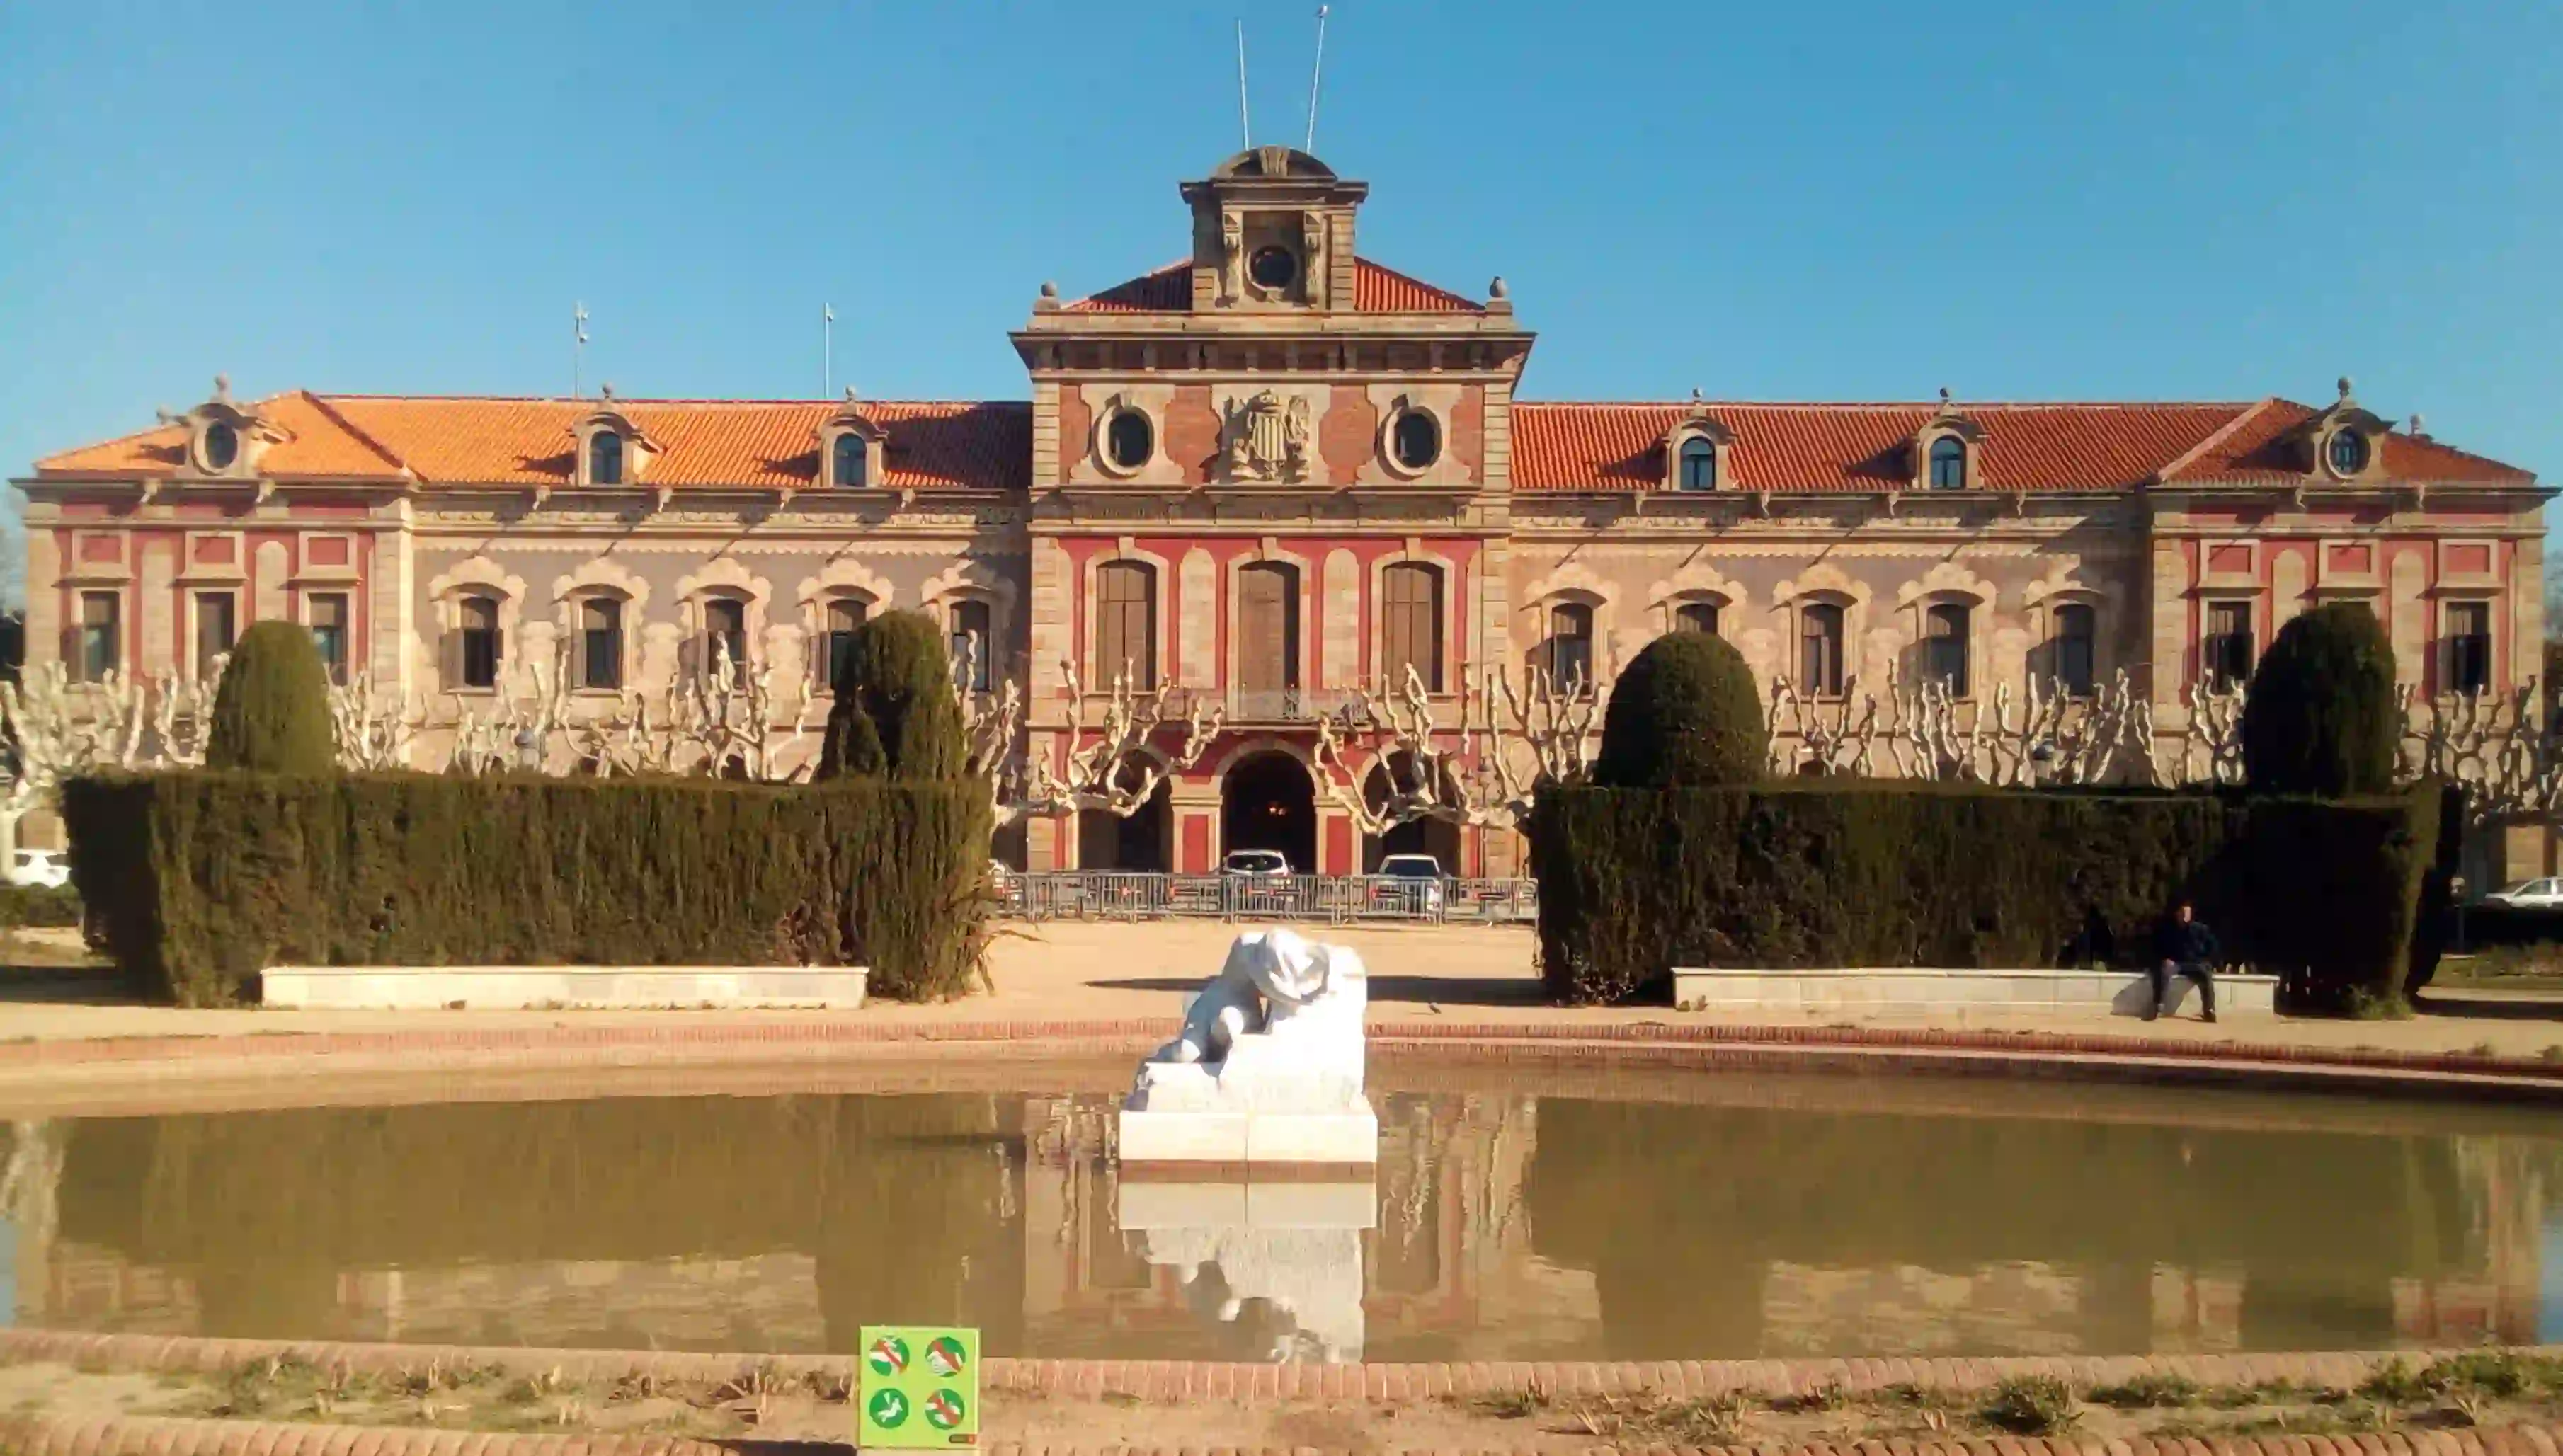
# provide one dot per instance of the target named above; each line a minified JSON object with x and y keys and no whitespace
{"x":359,"y":432}
{"x":2215,"y":437}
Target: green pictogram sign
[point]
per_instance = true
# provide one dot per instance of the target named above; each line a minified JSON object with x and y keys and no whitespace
{"x":911,"y":1370}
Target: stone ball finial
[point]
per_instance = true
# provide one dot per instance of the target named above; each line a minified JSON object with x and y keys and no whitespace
{"x":1498,"y":289}
{"x":2418,"y":426}
{"x":1697,"y":397}
{"x":222,"y":385}
{"x":2344,"y":386}
{"x":1049,"y":289}
{"x":850,"y":394}
{"x":1944,"y":395}
{"x":605,"y":391}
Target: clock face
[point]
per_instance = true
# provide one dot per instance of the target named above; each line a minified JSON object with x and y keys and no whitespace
{"x":1272,"y":267}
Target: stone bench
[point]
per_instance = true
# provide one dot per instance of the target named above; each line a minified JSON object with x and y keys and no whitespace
{"x":1899,"y":990}
{"x":423,"y":987}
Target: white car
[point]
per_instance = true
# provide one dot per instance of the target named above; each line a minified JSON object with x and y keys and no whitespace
{"x":1404,"y":876}
{"x":2536,"y":894}
{"x":1257,"y":863}
{"x":40,"y":867}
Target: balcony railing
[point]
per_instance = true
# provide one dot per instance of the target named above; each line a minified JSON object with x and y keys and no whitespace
{"x":1338,"y":899}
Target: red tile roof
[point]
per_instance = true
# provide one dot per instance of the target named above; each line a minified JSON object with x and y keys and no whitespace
{"x":2027,"y":447}
{"x":464,"y":441}
{"x":1376,"y":290}
{"x":2256,"y":448}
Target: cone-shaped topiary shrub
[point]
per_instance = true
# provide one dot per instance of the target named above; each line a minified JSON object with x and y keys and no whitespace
{"x":2320,"y":718}
{"x":272,"y":713}
{"x":1684,"y":715}
{"x":895,"y":713}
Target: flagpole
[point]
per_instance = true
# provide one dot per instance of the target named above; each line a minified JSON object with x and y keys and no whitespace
{"x":828,"y":350}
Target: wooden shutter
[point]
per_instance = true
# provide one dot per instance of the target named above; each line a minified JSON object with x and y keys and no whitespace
{"x":1268,"y":627}
{"x":1126,"y":636}
{"x":1411,"y":616}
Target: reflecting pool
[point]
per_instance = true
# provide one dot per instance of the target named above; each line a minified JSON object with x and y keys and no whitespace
{"x":1515,"y":1215}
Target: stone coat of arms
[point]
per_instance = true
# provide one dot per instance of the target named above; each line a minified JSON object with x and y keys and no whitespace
{"x":1267,"y":438}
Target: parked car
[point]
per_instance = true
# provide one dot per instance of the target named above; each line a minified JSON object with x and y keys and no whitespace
{"x":1257,"y":879}
{"x":2535,"y":894}
{"x":1257,"y":862}
{"x":40,"y":867}
{"x":1410,"y":879}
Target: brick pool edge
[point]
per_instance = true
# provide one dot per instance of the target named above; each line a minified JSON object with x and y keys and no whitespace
{"x":164,"y":1436}
{"x":1167,"y":1380}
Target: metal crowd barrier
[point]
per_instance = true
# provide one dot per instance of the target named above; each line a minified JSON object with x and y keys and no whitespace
{"x":1337,"y":899}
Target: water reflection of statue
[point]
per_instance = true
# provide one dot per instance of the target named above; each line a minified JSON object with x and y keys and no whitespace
{"x":1267,"y":438}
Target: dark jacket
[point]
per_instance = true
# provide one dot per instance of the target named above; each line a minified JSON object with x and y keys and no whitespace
{"x":2185,"y":945}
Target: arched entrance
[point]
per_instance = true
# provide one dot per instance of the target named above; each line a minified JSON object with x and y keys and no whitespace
{"x":1435,"y":837}
{"x":1268,"y":802}
{"x":1140,"y":843}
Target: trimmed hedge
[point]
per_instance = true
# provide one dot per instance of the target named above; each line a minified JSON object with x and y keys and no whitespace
{"x":272,"y":712}
{"x":197,"y":881}
{"x":1684,"y":714}
{"x":896,"y":715}
{"x":2321,"y":717}
{"x":39,"y":905}
{"x":1847,"y":873}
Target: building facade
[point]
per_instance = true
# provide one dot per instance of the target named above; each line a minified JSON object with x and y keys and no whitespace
{"x":1270,"y":475}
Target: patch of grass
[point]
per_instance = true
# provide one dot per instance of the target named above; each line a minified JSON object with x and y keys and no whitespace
{"x":2030,"y":1405}
{"x":1830,"y":1395}
{"x":1511,"y":1405}
{"x":2395,"y":1382}
{"x":2503,"y":1374}
{"x":2149,"y":1392}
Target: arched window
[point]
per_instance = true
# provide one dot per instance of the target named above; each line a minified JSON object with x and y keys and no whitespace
{"x":1944,"y":647}
{"x":1696,"y":616}
{"x":973,"y":654}
{"x":1949,"y":463}
{"x":1411,"y":624}
{"x":600,"y":644}
{"x":1819,"y":649}
{"x":837,"y":650}
{"x":2075,"y":634}
{"x":605,"y":459}
{"x":1699,"y":463}
{"x":1416,"y":439}
{"x":1569,"y":645}
{"x":1126,"y":624}
{"x":725,"y":631}
{"x":2348,"y":451}
{"x":853,"y":462}
{"x":1129,"y":440}
{"x":481,"y":643}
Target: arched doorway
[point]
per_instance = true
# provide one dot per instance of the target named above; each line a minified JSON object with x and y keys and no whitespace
{"x":1268,"y":801}
{"x":1140,"y":842}
{"x":1435,"y":837}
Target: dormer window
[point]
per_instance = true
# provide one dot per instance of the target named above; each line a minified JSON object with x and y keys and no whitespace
{"x":849,"y":466}
{"x":850,"y":448}
{"x":1698,"y":465}
{"x":1949,"y":463}
{"x":609,"y":449}
{"x":1695,"y":451}
{"x":226,"y":437}
{"x":2342,"y":442}
{"x":605,"y":459}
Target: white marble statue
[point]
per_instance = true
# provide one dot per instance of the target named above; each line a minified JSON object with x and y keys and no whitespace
{"x":1273,"y":1039}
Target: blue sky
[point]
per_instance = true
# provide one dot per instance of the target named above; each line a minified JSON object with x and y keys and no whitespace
{"x":2031,"y":201}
